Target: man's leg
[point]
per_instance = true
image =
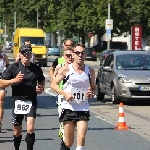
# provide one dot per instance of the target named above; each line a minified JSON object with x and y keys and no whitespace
{"x":17,"y":136}
{"x":30,"y":137}
{"x":2,"y":96}
{"x":69,"y":127}
{"x":81,"y":132}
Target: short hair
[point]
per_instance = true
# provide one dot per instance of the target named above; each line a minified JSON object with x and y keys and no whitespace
{"x":79,"y":44}
{"x":69,"y":40}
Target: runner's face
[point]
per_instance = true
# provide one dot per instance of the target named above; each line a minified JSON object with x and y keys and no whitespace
{"x":25,"y":58}
{"x":68,"y":56}
{"x":68,"y":43}
{"x":79,"y":55}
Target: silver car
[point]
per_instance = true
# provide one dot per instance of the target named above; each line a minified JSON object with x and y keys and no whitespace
{"x":125,"y":75}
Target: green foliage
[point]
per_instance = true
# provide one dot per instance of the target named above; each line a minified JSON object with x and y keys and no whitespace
{"x":76,"y":17}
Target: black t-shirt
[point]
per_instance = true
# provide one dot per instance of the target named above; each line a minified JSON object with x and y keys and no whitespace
{"x":27,"y":87}
{"x":55,"y":63}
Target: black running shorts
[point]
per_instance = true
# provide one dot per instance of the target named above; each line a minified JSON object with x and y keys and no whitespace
{"x":18,"y":118}
{"x":69,"y":115}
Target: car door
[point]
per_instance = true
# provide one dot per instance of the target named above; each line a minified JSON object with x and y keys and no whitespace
{"x":110,"y":74}
{"x":102,"y":75}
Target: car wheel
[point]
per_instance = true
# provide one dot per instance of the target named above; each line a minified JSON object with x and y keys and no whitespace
{"x":100,"y":95}
{"x":114,"y":98}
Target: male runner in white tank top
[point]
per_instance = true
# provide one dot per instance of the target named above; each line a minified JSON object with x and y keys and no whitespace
{"x":78,"y":87}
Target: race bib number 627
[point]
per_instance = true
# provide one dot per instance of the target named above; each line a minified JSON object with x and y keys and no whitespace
{"x":22,"y":107}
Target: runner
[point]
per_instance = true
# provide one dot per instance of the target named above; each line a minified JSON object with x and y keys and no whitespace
{"x":68,"y":58}
{"x":27,"y":42}
{"x":60,"y":60}
{"x":76,"y":91}
{"x":24,"y":94}
{"x":3,"y":64}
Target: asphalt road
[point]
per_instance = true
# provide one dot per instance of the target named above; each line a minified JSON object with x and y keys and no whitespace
{"x":100,"y":136}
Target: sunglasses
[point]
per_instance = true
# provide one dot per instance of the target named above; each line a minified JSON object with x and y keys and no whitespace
{"x":78,"y":53}
{"x":24,"y":53}
{"x":68,"y":55}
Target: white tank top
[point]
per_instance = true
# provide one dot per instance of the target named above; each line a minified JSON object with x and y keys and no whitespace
{"x":77,"y":81}
{"x":2,"y":64}
{"x":32,"y":59}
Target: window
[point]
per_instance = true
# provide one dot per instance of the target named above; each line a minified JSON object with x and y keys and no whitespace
{"x":107,"y":60}
{"x":35,"y":41}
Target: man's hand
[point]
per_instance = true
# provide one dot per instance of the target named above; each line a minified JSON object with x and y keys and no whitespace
{"x":40,"y":89}
{"x":18,"y":78}
{"x":69,"y":96}
{"x":89,"y":93}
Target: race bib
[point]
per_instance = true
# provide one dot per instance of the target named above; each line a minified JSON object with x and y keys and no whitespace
{"x":60,"y":98}
{"x":79,"y":96}
{"x":22,"y":107}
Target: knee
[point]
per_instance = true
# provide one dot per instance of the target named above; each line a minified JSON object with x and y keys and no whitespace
{"x":68,"y":143}
{"x":30,"y":129}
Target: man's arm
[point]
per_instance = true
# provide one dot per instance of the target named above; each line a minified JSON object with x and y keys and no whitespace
{"x":41,"y":79}
{"x":5,"y":83}
{"x":92,"y":81}
{"x":57,"y":79}
{"x":52,"y":68}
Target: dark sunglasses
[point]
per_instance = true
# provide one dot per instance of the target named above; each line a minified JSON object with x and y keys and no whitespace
{"x":24,"y":53}
{"x":78,"y":53}
{"x":68,"y":55}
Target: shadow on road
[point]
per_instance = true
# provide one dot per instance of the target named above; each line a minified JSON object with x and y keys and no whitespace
{"x":44,"y":102}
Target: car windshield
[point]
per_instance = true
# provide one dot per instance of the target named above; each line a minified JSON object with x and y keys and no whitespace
{"x":133,"y":62}
{"x":53,"y":46}
{"x":35,"y":41}
{"x":89,"y":50}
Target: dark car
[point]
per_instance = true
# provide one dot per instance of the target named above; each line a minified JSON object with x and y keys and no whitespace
{"x":90,"y":54}
{"x":103,"y":56}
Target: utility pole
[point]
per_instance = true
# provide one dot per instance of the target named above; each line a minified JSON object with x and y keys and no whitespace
{"x":0,"y":32}
{"x":14,"y":21}
{"x":108,"y":42}
{"x":4,"y":33}
{"x":37,"y":19}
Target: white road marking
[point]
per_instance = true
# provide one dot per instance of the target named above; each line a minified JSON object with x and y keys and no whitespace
{"x":47,"y":90}
{"x":105,"y":120}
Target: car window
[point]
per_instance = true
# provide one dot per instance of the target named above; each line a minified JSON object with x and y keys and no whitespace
{"x":53,"y":46}
{"x":111,"y":61}
{"x":133,"y":62}
{"x":89,"y":50}
{"x":106,"y":63}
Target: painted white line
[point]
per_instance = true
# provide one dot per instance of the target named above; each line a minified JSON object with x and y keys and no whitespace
{"x":47,"y":90}
{"x":106,"y":120}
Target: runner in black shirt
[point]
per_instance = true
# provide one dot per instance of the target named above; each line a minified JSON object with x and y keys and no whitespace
{"x":23,"y":76}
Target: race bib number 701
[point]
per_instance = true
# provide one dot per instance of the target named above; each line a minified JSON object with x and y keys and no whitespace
{"x":22,"y":107}
{"x":79,"y":96}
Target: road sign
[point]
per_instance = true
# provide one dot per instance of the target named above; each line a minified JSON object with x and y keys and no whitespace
{"x":5,"y":36}
{"x":109,"y":24}
{"x":108,"y":34}
{"x":1,"y":31}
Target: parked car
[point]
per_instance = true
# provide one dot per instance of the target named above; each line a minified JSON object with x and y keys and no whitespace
{"x":103,"y":55}
{"x":9,"y":46}
{"x":125,"y":75}
{"x":90,"y":54}
{"x":53,"y":50}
